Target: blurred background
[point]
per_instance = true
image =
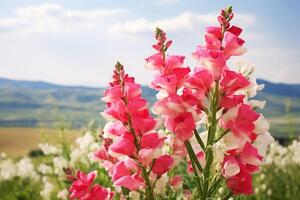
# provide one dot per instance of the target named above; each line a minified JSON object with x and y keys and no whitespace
{"x":57,"y":56}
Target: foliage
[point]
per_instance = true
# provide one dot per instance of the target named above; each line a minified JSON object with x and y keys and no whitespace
{"x":20,"y":189}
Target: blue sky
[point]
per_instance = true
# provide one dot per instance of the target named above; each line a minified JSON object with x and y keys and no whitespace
{"x":77,"y":42}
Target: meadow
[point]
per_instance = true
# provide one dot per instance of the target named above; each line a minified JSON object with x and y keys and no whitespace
{"x":20,"y":141}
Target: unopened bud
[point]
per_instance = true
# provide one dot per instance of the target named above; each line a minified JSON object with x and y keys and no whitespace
{"x":119,"y":66}
{"x":221,"y":19}
{"x":231,"y":16}
{"x":229,"y":9}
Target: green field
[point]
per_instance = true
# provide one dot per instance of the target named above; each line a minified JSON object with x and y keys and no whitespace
{"x":17,"y":142}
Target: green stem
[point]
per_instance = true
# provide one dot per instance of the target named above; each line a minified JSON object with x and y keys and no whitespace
{"x":149,"y":189}
{"x":214,"y":186}
{"x":210,"y":139}
{"x":190,"y":152}
{"x":227,"y":196}
{"x":192,"y":155}
{"x":125,"y":193}
{"x":221,"y":135}
{"x":199,"y":139}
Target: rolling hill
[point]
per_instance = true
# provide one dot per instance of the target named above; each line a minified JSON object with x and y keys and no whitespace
{"x":35,"y":103}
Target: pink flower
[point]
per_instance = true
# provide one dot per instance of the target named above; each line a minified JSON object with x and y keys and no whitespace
{"x":150,"y":145}
{"x":240,"y":119}
{"x":155,"y":62}
{"x":201,"y":79}
{"x":80,"y":188}
{"x":230,"y":166}
{"x":112,"y":94}
{"x":235,"y":30}
{"x":233,"y":45}
{"x":174,"y":61}
{"x":211,"y":59}
{"x":233,"y":81}
{"x":241,"y":183}
{"x":124,"y":167}
{"x":182,"y":125}
{"x":192,"y":97}
{"x":143,"y":125}
{"x":250,"y":155}
{"x":169,"y":106}
{"x":133,"y":182}
{"x":165,"y":82}
{"x":162,"y":165}
{"x":213,"y":37}
{"x":126,"y":173}
{"x":124,"y":145}
{"x":176,"y":181}
{"x":100,"y":193}
{"x":152,"y":140}
{"x":132,"y":90}
{"x":147,"y":155}
{"x":114,"y":129}
{"x":116,"y":110}
{"x":228,"y":102}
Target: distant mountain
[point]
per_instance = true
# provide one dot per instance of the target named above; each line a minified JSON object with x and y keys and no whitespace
{"x":34,"y":103}
{"x":281,"y":89}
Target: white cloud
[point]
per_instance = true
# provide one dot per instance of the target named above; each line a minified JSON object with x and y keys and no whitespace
{"x":187,"y":21}
{"x":54,"y":18}
{"x":64,"y":57}
{"x":279,"y":64}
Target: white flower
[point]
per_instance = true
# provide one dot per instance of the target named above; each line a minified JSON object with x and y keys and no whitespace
{"x":221,"y":190}
{"x":256,"y":103}
{"x":48,"y":149}
{"x":252,"y":89}
{"x":263,"y":187}
{"x":45,"y":169}
{"x":25,"y":169}
{"x":47,"y":190}
{"x":244,"y":67}
{"x":232,"y":141}
{"x":77,"y":155}
{"x":262,"y":143}
{"x":63,"y":194}
{"x":261,"y":125}
{"x":8,"y":170}
{"x":59,"y":164}
{"x":134,"y":195}
{"x":85,"y":142}
{"x":269,"y":192}
{"x":161,"y":184}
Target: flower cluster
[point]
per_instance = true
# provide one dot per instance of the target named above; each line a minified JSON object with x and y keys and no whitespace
{"x":282,"y":157}
{"x":217,"y":97}
{"x":84,"y":189}
{"x":132,"y":150}
{"x":208,"y":116}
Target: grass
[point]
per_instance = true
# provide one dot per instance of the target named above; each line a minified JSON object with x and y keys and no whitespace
{"x":17,"y":142}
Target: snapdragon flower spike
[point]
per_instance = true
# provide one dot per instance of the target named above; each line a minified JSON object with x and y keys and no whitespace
{"x":171,"y":71}
{"x":135,"y":142}
{"x":221,"y":43}
{"x":170,"y":78}
{"x":242,"y":156}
